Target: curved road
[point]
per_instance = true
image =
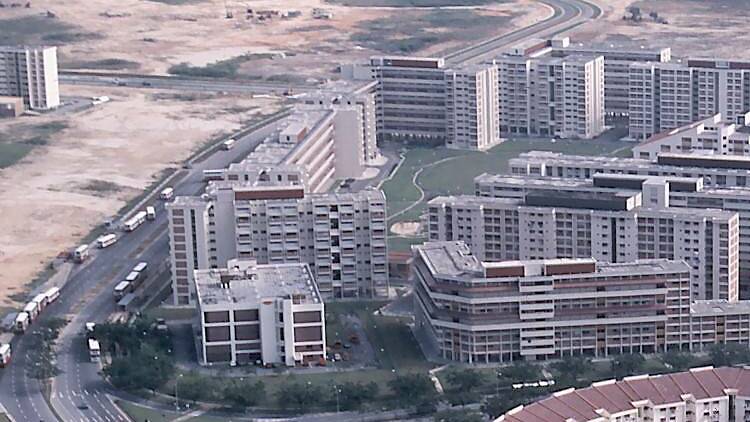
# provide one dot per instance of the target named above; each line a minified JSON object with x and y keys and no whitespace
{"x":79,"y":394}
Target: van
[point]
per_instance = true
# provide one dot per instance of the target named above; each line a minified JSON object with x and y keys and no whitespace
{"x":167,"y":194}
{"x":150,"y":213}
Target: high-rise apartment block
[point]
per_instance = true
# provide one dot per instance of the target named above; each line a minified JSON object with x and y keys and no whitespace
{"x":701,"y":394}
{"x":260,"y":313}
{"x":712,"y":135}
{"x":472,"y":116}
{"x":481,"y":312}
{"x":341,"y":236}
{"x":614,"y":225}
{"x":30,"y":73}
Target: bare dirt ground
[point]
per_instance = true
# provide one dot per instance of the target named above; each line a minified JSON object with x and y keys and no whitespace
{"x":106,"y":156}
{"x":152,"y":36}
{"x":695,"y":28}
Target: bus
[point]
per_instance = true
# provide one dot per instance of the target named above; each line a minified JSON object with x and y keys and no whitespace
{"x":41,"y":301}
{"x":121,"y":290}
{"x":5,"y":353}
{"x":228,"y":144}
{"x":150,"y":213}
{"x":106,"y":240}
{"x":52,"y":294}
{"x":135,"y":221}
{"x":32,"y":310}
{"x":209,"y":175}
{"x":134,"y":278}
{"x":141,"y":267}
{"x":21,"y":323}
{"x":167,"y":194}
{"x":81,"y":253}
{"x":94,"y":350}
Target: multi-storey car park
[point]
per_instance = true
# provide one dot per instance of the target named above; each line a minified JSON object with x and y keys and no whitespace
{"x":482,"y":312}
{"x":30,"y":73}
{"x":700,"y":394}
{"x":611,"y":226}
{"x":260,"y":313}
{"x":720,"y":185}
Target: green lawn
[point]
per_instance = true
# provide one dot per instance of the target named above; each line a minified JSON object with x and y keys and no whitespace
{"x":139,"y":413}
{"x":11,"y":152}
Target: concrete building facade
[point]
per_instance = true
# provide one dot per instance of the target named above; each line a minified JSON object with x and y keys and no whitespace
{"x":341,"y":236}
{"x":472,"y":116}
{"x":481,"y":312}
{"x":264,"y":314}
{"x":610,"y":226}
{"x":700,"y":394}
{"x":30,"y":73}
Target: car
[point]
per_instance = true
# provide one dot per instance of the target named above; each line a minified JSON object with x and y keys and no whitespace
{"x":83,"y":406}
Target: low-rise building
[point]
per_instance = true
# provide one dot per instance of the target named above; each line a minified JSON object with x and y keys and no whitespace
{"x":482,"y":312}
{"x":264,"y":314}
{"x":700,"y":394}
{"x":11,"y":107}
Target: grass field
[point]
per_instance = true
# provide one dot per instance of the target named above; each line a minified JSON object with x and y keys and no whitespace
{"x":18,"y":140}
{"x":140,"y":414}
{"x":456,"y":176}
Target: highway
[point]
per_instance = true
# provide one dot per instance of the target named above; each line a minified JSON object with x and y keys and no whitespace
{"x":79,"y":393}
{"x":183,"y":83}
{"x":567,"y":14}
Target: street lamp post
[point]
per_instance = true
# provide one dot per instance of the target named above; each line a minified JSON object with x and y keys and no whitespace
{"x":337,"y":391}
{"x":176,"y":398}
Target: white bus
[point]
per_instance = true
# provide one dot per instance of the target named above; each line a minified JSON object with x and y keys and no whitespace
{"x":167,"y":194}
{"x":150,"y":213}
{"x":228,"y":144}
{"x":134,"y":278}
{"x":81,"y":253}
{"x":41,"y":301}
{"x":21,"y":323}
{"x":5,"y":353}
{"x":106,"y":240}
{"x":135,"y":221}
{"x":141,"y":267}
{"x":32,"y":310}
{"x":94,"y":350}
{"x":121,"y":290}
{"x":52,"y":294}
{"x":209,"y":175}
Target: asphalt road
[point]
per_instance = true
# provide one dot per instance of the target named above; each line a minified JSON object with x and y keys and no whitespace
{"x":183,"y":83}
{"x":79,"y":393}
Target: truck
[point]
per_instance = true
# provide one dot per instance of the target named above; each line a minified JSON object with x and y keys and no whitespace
{"x":135,"y":221}
{"x":81,"y":253}
{"x":32,"y":310}
{"x":106,"y":240}
{"x":21,"y":323}
{"x":121,"y":290}
{"x":150,"y":213}
{"x":228,"y":144}
{"x":94,"y":350}
{"x":52,"y":294}
{"x":167,"y":194}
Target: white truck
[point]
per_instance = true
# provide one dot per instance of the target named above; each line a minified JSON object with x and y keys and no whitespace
{"x":106,"y":240}
{"x":150,"y":213}
{"x":21,"y":323}
{"x":135,"y":221}
{"x":167,"y":194}
{"x":81,"y":253}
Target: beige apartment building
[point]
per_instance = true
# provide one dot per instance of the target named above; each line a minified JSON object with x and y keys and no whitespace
{"x":472,"y":116}
{"x":341,"y":236}
{"x":697,"y":395}
{"x":265,"y":314}
{"x":610,"y":226}
{"x":712,"y":135}
{"x":30,"y":73}
{"x":482,"y":312}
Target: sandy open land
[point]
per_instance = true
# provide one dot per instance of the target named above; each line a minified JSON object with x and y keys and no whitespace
{"x":88,"y":171}
{"x":152,"y":36}
{"x":716,"y":28}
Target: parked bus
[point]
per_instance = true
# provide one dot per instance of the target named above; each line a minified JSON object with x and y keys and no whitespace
{"x":125,"y":302}
{"x":121,"y":290}
{"x":209,"y":175}
{"x":81,"y":253}
{"x":52,"y":294}
{"x":228,"y":144}
{"x":41,"y":301}
{"x":141,"y":267}
{"x":135,"y":221}
{"x":167,"y":194}
{"x":21,"y":323}
{"x":5,"y":353}
{"x":94,"y":350}
{"x":150,"y":213}
{"x":134,"y":278}
{"x":32,"y":310}
{"x":106,"y":240}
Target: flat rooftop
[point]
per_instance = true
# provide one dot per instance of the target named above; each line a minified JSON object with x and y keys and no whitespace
{"x":249,"y":284}
{"x":713,"y":307}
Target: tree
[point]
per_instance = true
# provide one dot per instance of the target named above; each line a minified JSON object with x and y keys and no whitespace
{"x":570,"y":368}
{"x":635,"y":13}
{"x":412,"y":389}
{"x":298,"y":396}
{"x":41,"y":364}
{"x":625,"y":365}
{"x":677,"y":361}
{"x":521,"y":372}
{"x":654,"y":15}
{"x":729,"y":354}
{"x":465,"y":380}
{"x":458,"y":416}
{"x":145,"y":369}
{"x":352,"y":396}
{"x":194,"y":387}
{"x":244,"y":394}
